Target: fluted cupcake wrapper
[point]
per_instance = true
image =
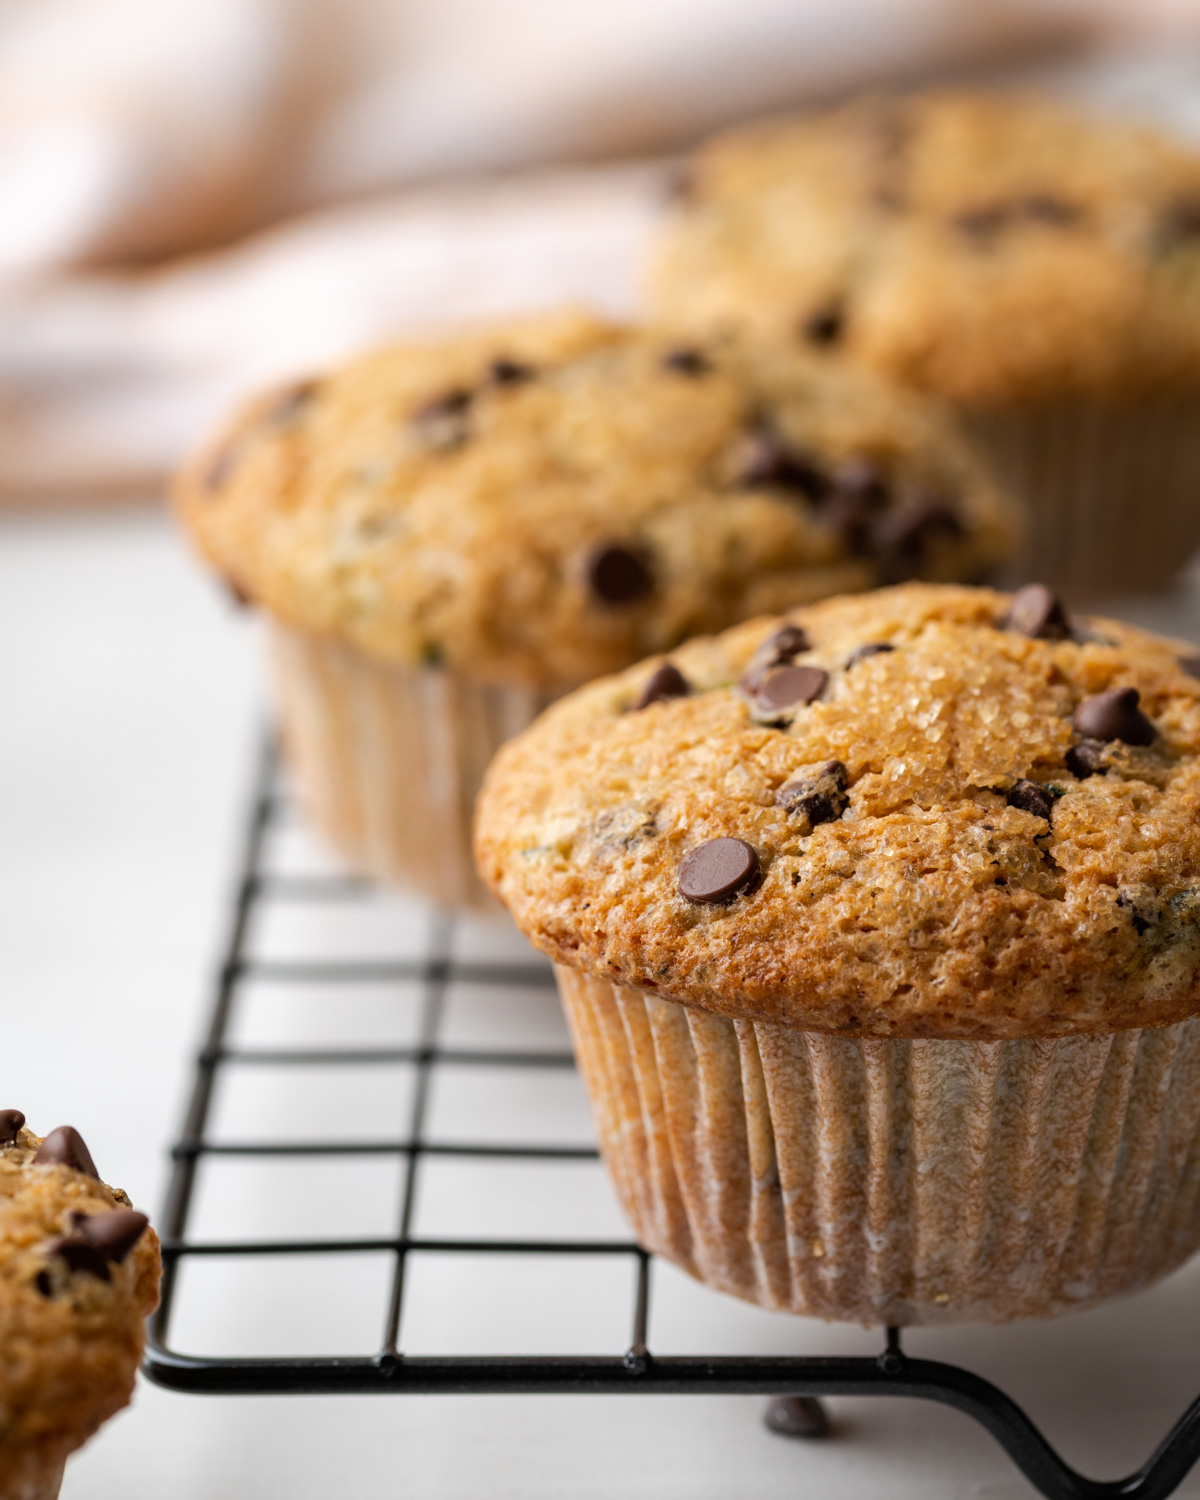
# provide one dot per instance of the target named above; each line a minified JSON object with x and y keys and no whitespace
{"x":1111,"y":491}
{"x":387,"y":759}
{"x":893,"y":1181}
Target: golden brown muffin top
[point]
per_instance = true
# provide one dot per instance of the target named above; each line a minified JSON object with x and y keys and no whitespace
{"x":926,"y":811}
{"x":987,"y":248}
{"x":79,"y":1272}
{"x":547,"y":501}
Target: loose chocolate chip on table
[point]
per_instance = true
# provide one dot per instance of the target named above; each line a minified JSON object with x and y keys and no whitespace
{"x":1035,"y":611}
{"x":717,"y":871}
{"x":509,"y":372}
{"x":825,"y":325}
{"x":821,"y":798}
{"x":665,"y":682}
{"x":765,"y":458}
{"x":786,"y":688}
{"x":686,"y":362}
{"x":617,"y":575}
{"x":1031,"y":797}
{"x":80,"y":1255}
{"x":114,"y":1233}
{"x":1114,"y":715}
{"x":11,"y":1121}
{"x":796,"y":1417}
{"x":872,"y":648}
{"x":1086,"y":759}
{"x":1191,"y":665}
{"x":65,"y":1147}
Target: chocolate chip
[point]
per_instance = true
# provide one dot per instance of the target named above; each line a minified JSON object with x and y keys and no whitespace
{"x":238,"y":597}
{"x":442,"y":422}
{"x":680,"y":185}
{"x":982,"y":221}
{"x":686,"y":362}
{"x":717,"y":871}
{"x":665,"y":682}
{"x":796,"y":1417}
{"x":509,"y":372}
{"x":617,"y":575}
{"x":765,"y":459}
{"x":80,"y":1255}
{"x":820,"y":799}
{"x":903,"y":536}
{"x":777,"y":650}
{"x":1180,"y":222}
{"x":1114,"y":715}
{"x":114,"y":1233}
{"x":1087,"y":758}
{"x":1191,"y":665}
{"x":826,"y":325}
{"x":289,"y":402}
{"x":1036,"y":612}
{"x":11,"y":1122}
{"x":1140,"y":923}
{"x":1031,"y":797}
{"x":65,"y":1147}
{"x":1046,"y":208}
{"x":862,"y":478}
{"x":219,"y":469}
{"x":872,"y":648}
{"x":44,"y":1284}
{"x":787,"y":688}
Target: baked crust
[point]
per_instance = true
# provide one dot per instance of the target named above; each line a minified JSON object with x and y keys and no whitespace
{"x":426,"y":509}
{"x":992,"y":249}
{"x":70,"y":1342}
{"x":930,"y":907}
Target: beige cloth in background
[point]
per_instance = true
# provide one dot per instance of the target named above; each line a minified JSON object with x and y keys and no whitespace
{"x":132,"y":131}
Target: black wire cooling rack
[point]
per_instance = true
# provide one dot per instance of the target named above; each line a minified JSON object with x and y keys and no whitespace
{"x":639,"y":1371}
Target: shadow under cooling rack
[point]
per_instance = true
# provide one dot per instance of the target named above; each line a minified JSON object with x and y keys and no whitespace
{"x":386,"y":1181}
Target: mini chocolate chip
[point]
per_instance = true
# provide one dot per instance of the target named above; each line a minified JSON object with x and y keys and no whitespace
{"x":785,"y":688}
{"x":686,"y":362}
{"x":80,"y":1255}
{"x":872,"y":648}
{"x":1086,"y":759}
{"x":219,"y":468}
{"x":65,"y":1147}
{"x":617,"y":575}
{"x":826,"y":325}
{"x":1114,"y":715}
{"x":289,"y":402}
{"x":717,"y":871}
{"x":821,"y":798}
{"x":43,"y":1283}
{"x":796,"y":1417}
{"x":509,"y":372}
{"x":11,"y":1122}
{"x":777,"y":650}
{"x":1140,"y":923}
{"x":1035,"y":611}
{"x":1191,"y":665}
{"x":665,"y":682}
{"x":765,"y":459}
{"x":114,"y":1233}
{"x":442,"y":422}
{"x":1031,"y":797}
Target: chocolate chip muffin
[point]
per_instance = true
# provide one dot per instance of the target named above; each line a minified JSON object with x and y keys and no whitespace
{"x":79,"y":1272}
{"x":878,"y":929}
{"x":446,"y":537}
{"x":1038,"y":268}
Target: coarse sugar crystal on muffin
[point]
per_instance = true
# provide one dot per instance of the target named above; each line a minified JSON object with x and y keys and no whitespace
{"x":446,"y":536}
{"x":79,"y":1272}
{"x":881,"y":949}
{"x":1035,"y":265}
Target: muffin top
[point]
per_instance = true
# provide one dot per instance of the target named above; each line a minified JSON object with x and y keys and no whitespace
{"x":991,"y":249}
{"x":547,"y":501}
{"x":928,"y":811}
{"x":79,"y":1272}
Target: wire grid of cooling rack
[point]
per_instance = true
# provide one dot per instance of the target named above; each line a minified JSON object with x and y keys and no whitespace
{"x":429,"y":962}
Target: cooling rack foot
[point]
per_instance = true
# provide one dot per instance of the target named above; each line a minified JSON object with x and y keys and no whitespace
{"x":796,"y":1417}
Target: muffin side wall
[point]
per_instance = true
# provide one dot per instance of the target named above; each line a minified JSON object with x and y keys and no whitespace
{"x":894,"y":1181}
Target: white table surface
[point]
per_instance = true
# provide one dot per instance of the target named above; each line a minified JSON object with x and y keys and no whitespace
{"x":129,"y":702}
